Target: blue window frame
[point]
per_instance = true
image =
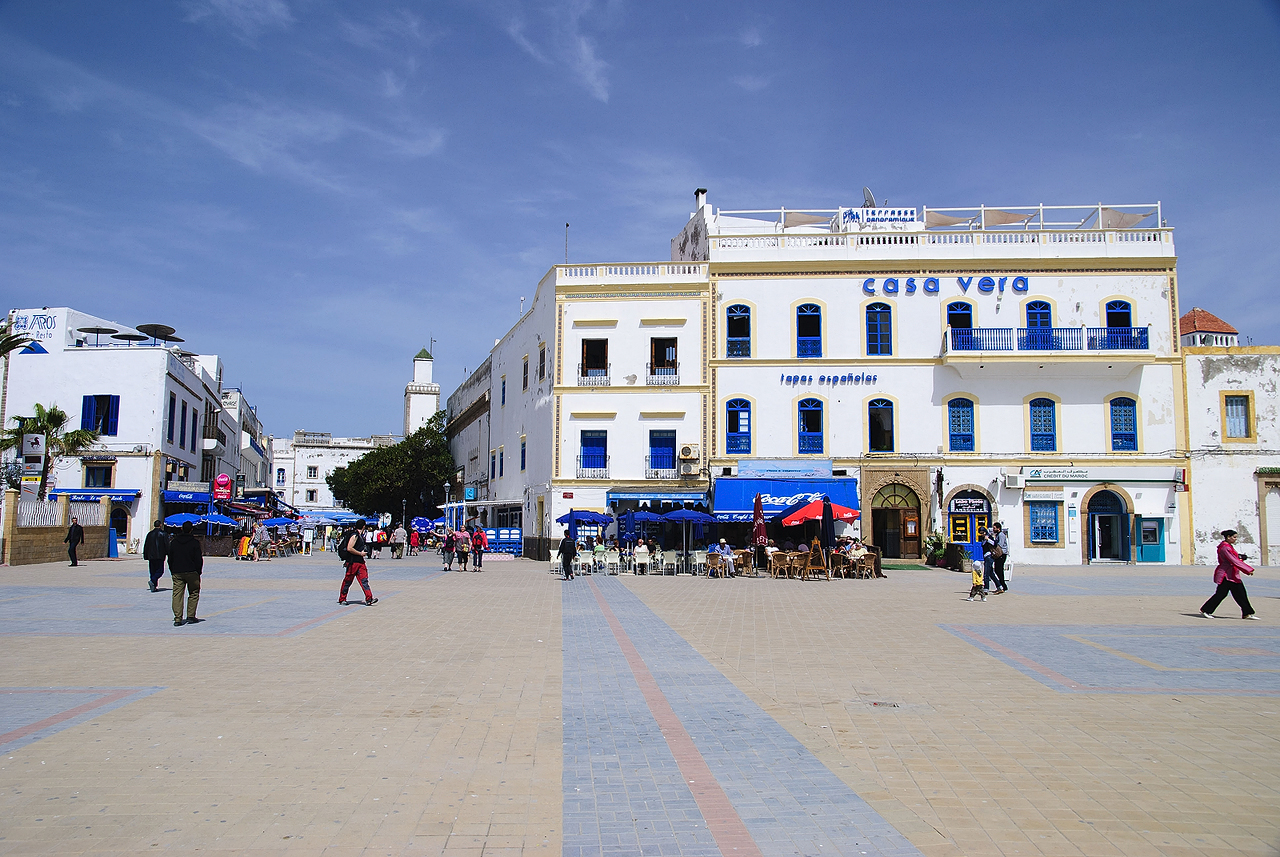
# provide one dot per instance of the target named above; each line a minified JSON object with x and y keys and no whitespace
{"x":738,"y":331}
{"x":1044,"y":426}
{"x":504,"y":389}
{"x":809,"y":424}
{"x":880,"y":425}
{"x":501,"y":455}
{"x":182,"y":436}
{"x":173,"y":411}
{"x":522,"y":454}
{"x":1044,"y":520}
{"x":100,"y":414}
{"x":808,"y":330}
{"x":493,"y":464}
{"x":662,"y":449}
{"x":737,"y":427}
{"x":960,"y":315}
{"x":960,"y":424}
{"x":1124,"y":424}
{"x":195,"y":429}
{"x":879,"y":329}
{"x":1237,"y":414}
{"x":595,"y":449}
{"x":1119,"y":314}
{"x":1039,"y":314}
{"x":280,"y":477}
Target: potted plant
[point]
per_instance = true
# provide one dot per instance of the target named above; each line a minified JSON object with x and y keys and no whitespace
{"x":935,"y":545}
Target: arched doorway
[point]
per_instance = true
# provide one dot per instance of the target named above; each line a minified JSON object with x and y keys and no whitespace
{"x":967,"y":513}
{"x":1108,"y":528}
{"x":120,"y":523}
{"x":895,"y":521}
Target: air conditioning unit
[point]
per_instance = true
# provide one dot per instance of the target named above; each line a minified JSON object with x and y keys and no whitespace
{"x":688,"y":468}
{"x":1015,"y":480}
{"x":690,"y":452}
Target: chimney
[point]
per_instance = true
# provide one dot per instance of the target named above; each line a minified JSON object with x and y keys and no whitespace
{"x":700,"y":197}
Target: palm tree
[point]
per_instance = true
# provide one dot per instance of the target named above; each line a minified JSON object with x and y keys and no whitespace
{"x":52,"y":423}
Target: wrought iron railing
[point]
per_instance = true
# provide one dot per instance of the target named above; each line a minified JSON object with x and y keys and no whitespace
{"x":808,"y":346}
{"x":737,"y":444}
{"x":662,"y":376}
{"x":593,"y":467}
{"x":661,"y":465}
{"x":810,"y":444}
{"x":1050,"y":338}
{"x":593,"y":376}
{"x":738,"y":347}
{"x":39,"y":513}
{"x":982,"y":339}
{"x":1117,"y":338}
{"x":89,"y":514}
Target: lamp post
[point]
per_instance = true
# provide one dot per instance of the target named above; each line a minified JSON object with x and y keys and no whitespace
{"x":448,"y":516}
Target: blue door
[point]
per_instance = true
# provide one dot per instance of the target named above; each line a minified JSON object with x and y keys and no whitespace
{"x":1151,"y":535}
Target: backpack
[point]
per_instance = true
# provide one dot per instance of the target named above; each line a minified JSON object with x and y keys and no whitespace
{"x":342,"y":545}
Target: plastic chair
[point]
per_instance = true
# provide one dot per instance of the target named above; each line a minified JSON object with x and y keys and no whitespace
{"x":700,"y":562}
{"x":640,"y":561}
{"x":612,"y":561}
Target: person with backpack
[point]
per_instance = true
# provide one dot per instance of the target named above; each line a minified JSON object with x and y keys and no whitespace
{"x":462,"y":548}
{"x":446,"y":549}
{"x":479,"y":544}
{"x":352,"y":552}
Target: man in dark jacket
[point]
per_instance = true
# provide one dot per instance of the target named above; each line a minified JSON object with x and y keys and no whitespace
{"x":75,"y":535}
{"x":154,"y":549}
{"x":568,"y":550}
{"x":186,"y":561}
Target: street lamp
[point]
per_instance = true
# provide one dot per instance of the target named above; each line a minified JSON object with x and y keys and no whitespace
{"x":448,"y":518}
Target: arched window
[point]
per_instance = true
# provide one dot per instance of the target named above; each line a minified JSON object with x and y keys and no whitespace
{"x":737,"y":331}
{"x":737,"y":427}
{"x":879,"y":329}
{"x":809,"y":424}
{"x":1124,"y":424}
{"x":960,"y":424}
{"x":1044,"y":426}
{"x":880,"y":425}
{"x":1039,"y":314}
{"x":808,"y":330}
{"x":1119,"y":314}
{"x":960,"y":315}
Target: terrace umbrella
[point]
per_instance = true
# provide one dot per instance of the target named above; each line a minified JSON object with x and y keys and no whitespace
{"x":684,"y":517}
{"x":828,"y":528}
{"x":759,"y":537}
{"x":629,"y":527}
{"x":812,"y":511}
{"x":181,"y":518}
{"x":278,"y":522}
{"x":221,"y":519}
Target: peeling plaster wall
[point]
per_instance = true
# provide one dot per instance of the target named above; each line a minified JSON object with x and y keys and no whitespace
{"x":1224,"y":484}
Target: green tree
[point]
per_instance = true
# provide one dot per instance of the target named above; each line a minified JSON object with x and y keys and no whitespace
{"x":52,"y":423}
{"x":409,"y":475}
{"x":10,"y":341}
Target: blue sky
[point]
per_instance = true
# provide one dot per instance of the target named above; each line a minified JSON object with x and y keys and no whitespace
{"x":313,"y":188}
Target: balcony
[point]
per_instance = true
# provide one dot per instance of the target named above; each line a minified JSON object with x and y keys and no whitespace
{"x":810,"y":444}
{"x":738,"y":347}
{"x":215,"y":440}
{"x":1042,"y":339}
{"x":737,"y":444}
{"x":808,"y":346}
{"x":593,"y":467}
{"x":593,"y":376}
{"x":662,"y":376}
{"x":660,"y":465}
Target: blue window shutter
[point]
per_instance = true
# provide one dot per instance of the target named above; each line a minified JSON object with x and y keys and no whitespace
{"x":113,"y":416}
{"x":88,"y":413}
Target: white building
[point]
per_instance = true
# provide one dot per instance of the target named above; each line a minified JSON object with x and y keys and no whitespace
{"x":1234,"y":439}
{"x":158,"y":411}
{"x":254,"y":470}
{"x":302,"y":464}
{"x":421,"y":395}
{"x":941,"y":369}
{"x":468,"y":415}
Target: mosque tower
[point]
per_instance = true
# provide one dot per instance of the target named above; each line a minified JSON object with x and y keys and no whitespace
{"x":421,"y":396}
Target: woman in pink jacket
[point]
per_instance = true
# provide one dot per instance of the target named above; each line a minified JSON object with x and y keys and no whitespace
{"x":1227,"y":576}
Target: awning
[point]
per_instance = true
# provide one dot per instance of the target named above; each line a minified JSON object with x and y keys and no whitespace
{"x":187,"y":497}
{"x":736,"y":498}
{"x":90,"y":495}
{"x":659,"y":496}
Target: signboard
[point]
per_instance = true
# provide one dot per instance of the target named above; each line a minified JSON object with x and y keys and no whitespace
{"x":785,"y":468}
{"x":970,"y":505}
{"x":33,"y":444}
{"x":222,"y":487}
{"x":1044,"y":494}
{"x":33,"y":467}
{"x":35,"y":324}
{"x":568,"y":495}
{"x":1101,"y":474}
{"x":198,"y":487}
{"x":469,"y":493}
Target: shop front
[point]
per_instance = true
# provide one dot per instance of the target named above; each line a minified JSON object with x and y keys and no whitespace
{"x":968,"y":514}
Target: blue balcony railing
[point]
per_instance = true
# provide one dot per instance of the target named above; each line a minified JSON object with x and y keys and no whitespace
{"x":738,"y":347}
{"x":1117,"y":338}
{"x":1050,"y":338}
{"x":810,"y":444}
{"x":808,"y":346}
{"x":737,"y":444}
{"x":982,"y":339}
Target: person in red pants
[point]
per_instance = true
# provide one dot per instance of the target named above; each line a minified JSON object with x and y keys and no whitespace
{"x":352,"y":550}
{"x":1227,"y":576}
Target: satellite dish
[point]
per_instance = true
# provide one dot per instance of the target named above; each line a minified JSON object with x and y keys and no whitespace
{"x":868,"y":198}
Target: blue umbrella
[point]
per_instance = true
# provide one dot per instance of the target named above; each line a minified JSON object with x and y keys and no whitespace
{"x":272,"y":522}
{"x":629,"y":527}
{"x":583,"y":516}
{"x":688,"y":516}
{"x":221,"y":519}
{"x":182,"y":518}
{"x":647,"y":517}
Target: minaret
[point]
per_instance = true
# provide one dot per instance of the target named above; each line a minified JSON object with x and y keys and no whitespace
{"x":421,"y":396}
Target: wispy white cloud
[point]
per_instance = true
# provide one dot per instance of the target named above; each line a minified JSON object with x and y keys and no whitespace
{"x":751,"y":38}
{"x":386,"y":30}
{"x":751,"y":82}
{"x":559,"y":34}
{"x":247,"y":18}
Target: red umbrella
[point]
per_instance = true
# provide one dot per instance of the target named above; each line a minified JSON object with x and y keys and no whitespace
{"x":813,"y":512}
{"x":758,"y":536}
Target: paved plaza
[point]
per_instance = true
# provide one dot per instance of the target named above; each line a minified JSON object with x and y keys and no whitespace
{"x":1089,"y":711}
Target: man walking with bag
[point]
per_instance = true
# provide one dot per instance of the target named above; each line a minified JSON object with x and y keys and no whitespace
{"x":352,"y":551}
{"x":186,"y":561}
{"x":154,"y":549}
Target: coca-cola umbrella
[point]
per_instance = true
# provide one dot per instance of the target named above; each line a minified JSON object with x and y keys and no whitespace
{"x":758,"y":535}
{"x":812,"y":511}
